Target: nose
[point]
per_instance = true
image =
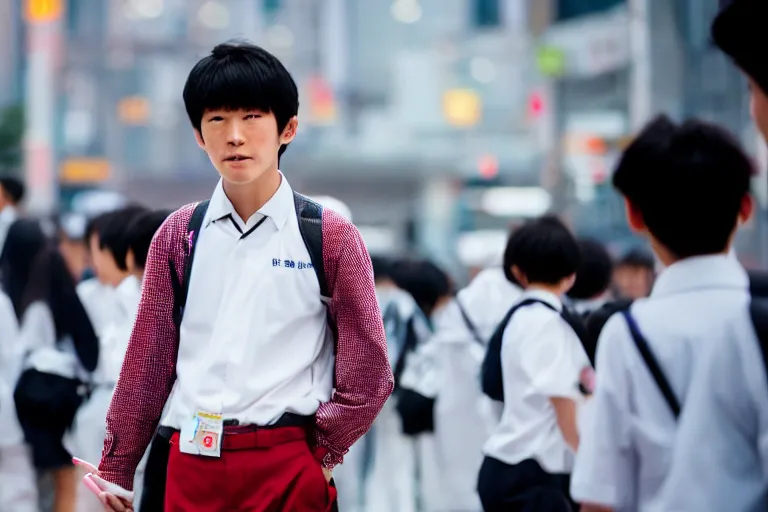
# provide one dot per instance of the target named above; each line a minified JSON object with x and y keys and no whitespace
{"x":235,"y":137}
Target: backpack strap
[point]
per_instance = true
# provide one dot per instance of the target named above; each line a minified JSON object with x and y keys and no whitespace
{"x":310,"y":215}
{"x":652,"y":364}
{"x":181,"y":290}
{"x":491,"y":373}
{"x":469,"y":323}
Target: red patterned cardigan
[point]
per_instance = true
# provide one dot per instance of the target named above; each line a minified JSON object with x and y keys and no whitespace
{"x":363,"y":377}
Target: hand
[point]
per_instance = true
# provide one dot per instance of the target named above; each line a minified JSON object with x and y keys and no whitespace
{"x":328,"y":474}
{"x":111,"y":502}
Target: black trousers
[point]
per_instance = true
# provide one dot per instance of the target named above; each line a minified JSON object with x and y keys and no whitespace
{"x":155,"y":474}
{"x":522,"y":487}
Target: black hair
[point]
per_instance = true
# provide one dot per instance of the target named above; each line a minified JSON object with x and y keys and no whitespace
{"x":688,"y":182}
{"x":141,"y":231}
{"x":544,"y":250}
{"x":507,"y":262}
{"x":24,"y":243}
{"x":423,"y":280}
{"x":382,"y":268}
{"x":96,"y":225}
{"x":13,"y":188}
{"x":51,"y":283}
{"x":595,"y":272}
{"x":114,"y":233}
{"x":637,"y":257}
{"x":241,"y":75}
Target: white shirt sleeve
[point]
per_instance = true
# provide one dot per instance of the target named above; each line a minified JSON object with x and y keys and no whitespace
{"x":721,"y":450}
{"x":552,"y":359}
{"x":10,"y":351}
{"x":605,"y":463}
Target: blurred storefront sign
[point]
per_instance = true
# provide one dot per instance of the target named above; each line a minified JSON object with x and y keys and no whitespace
{"x":587,"y":46}
{"x":43,"y":11}
{"x":84,"y":170}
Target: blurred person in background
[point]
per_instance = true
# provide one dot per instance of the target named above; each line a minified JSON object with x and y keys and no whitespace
{"x":592,"y":288}
{"x":390,"y":483}
{"x":11,"y":195}
{"x":18,"y":482}
{"x":73,"y":245}
{"x":60,"y":350}
{"x":721,"y":452}
{"x":633,"y":274}
{"x":648,"y":356}
{"x":113,"y":321}
{"x":418,"y":383}
{"x":462,"y":413}
{"x":528,"y":457}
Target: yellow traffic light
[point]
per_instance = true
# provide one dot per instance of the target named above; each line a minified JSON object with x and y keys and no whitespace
{"x":462,"y":107}
{"x":42,"y":11}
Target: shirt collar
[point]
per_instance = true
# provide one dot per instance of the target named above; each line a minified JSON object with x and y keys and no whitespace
{"x":278,"y":208}
{"x":701,"y":272}
{"x":544,"y":296}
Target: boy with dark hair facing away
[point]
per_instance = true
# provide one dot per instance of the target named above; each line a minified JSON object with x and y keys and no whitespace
{"x":528,"y":457}
{"x":686,"y":187}
{"x":268,"y":383}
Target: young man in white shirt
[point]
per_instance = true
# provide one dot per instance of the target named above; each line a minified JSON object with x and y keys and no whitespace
{"x":529,"y":455}
{"x":686,"y":188}
{"x":720,"y":460}
{"x":268,"y":384}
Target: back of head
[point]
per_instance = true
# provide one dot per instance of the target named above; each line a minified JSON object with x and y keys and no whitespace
{"x":382,"y":268}
{"x":113,"y":234}
{"x":23,"y":245}
{"x":12,"y":189}
{"x":140,"y":233}
{"x":593,"y":278}
{"x":423,"y":280}
{"x":240,"y":75}
{"x":687,"y":182}
{"x":544,"y":250}
{"x":738,"y":31}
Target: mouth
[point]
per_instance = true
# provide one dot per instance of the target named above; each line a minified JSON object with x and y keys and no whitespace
{"x":236,"y":158}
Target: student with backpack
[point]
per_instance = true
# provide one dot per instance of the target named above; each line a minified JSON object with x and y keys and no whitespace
{"x":721,"y":452}
{"x":258,"y":320}
{"x":529,"y":456}
{"x":686,"y":188}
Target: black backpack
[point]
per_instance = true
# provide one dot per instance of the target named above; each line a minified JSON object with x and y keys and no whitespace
{"x":491,"y":373}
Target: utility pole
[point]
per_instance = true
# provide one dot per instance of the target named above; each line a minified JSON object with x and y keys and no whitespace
{"x":44,"y":44}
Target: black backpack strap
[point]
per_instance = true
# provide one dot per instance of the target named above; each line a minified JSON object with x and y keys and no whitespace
{"x":407,"y":346}
{"x":469,"y":323}
{"x":652,"y":364}
{"x":577,"y":323}
{"x":491,"y":373}
{"x":758,"y":311}
{"x":180,"y":290}
{"x":310,"y":215}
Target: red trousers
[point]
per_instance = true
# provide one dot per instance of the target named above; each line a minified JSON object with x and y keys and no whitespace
{"x":269,"y":470}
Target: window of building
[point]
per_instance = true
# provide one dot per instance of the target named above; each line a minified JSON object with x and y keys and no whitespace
{"x":487,"y":13}
{"x":569,"y":9}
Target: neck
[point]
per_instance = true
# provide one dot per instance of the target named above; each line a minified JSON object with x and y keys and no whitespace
{"x":247,"y":199}
{"x":139,"y":274}
{"x":551,"y":288}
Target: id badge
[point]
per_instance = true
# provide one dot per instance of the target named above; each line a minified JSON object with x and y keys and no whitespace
{"x":201,"y":435}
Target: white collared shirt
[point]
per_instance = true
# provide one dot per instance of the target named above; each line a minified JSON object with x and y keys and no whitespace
{"x":541,"y":359}
{"x":7,"y":217}
{"x":629,"y":435}
{"x":113,"y":340}
{"x":253,"y":341}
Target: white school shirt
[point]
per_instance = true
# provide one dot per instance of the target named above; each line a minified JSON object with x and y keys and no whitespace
{"x":10,"y":363}
{"x":45,"y":353}
{"x":628,"y":438}
{"x":253,"y":341}
{"x":541,"y":359}
{"x":720,"y":460}
{"x":114,"y":340}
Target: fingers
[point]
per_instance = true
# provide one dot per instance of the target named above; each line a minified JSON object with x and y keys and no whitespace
{"x":114,"y":504}
{"x":90,"y":468}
